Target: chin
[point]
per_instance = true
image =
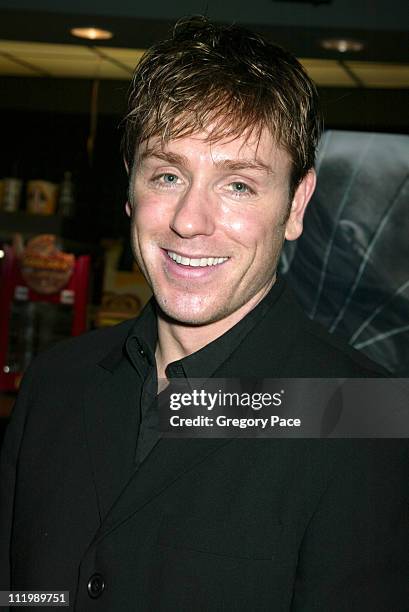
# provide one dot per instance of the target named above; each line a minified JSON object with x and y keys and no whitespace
{"x":191,"y":311}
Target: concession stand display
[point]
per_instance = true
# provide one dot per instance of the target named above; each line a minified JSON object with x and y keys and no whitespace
{"x":43,"y":299}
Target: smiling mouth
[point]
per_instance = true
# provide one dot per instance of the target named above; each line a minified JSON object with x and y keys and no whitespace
{"x":199,"y":262}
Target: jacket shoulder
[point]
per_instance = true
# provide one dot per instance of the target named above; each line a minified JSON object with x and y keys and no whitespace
{"x":332,"y":345}
{"x":329,"y":352}
{"x":83,"y":351}
{"x":289,"y":344}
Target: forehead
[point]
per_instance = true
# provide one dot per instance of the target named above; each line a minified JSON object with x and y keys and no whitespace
{"x":257,"y":148}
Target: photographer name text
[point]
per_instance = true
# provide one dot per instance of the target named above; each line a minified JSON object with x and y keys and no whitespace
{"x":241,"y":423}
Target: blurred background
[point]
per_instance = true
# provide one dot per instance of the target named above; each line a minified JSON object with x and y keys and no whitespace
{"x":64,"y":73}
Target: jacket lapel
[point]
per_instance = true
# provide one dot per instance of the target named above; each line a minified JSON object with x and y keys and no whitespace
{"x":167,"y":462}
{"x":111,"y":427}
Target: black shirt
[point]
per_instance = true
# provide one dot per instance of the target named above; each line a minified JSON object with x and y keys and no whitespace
{"x":140,"y":348}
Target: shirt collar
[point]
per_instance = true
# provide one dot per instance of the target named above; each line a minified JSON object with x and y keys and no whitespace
{"x":141,"y":341}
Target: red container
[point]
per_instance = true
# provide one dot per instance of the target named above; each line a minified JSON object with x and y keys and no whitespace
{"x":30,"y":321}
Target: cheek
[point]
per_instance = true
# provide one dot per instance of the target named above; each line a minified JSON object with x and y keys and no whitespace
{"x":150,"y":215}
{"x":251,"y":230}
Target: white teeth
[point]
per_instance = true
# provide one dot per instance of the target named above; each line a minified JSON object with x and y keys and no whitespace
{"x":195,"y":263}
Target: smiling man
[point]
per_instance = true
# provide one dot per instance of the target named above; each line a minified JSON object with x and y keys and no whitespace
{"x":219,"y":143}
{"x":208,"y":224}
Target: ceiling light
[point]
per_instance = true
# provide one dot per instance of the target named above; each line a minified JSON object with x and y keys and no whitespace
{"x":91,"y":33}
{"x":342,"y":45}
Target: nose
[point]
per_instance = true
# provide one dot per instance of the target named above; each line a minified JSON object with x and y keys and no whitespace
{"x":194,"y":214}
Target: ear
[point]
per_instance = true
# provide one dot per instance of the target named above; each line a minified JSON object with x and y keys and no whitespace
{"x":301,"y":198}
{"x":128,"y":207}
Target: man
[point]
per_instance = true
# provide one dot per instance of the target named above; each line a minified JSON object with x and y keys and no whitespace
{"x":219,"y":143}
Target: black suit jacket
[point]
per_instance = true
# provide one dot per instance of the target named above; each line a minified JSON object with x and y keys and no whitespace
{"x":203,"y":525}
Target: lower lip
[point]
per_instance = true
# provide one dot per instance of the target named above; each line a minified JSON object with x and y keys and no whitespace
{"x":180,"y":271}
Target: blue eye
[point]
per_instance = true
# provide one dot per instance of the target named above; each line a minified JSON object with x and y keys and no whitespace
{"x":169,"y":178}
{"x":240,"y":187}
{"x":166,"y":180}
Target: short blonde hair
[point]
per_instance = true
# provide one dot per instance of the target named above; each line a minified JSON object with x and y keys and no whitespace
{"x":225,"y":77}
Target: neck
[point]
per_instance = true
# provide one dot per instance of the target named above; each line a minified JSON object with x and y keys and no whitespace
{"x":177,"y":340}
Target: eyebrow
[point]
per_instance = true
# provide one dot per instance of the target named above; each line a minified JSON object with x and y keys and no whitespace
{"x":244,"y":164}
{"x":227,"y":164}
{"x":167,"y":156}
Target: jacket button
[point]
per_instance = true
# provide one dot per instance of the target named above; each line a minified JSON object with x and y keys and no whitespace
{"x":96,"y":586}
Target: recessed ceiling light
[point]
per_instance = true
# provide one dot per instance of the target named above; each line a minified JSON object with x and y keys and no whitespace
{"x":342,"y":45}
{"x":91,"y":33}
